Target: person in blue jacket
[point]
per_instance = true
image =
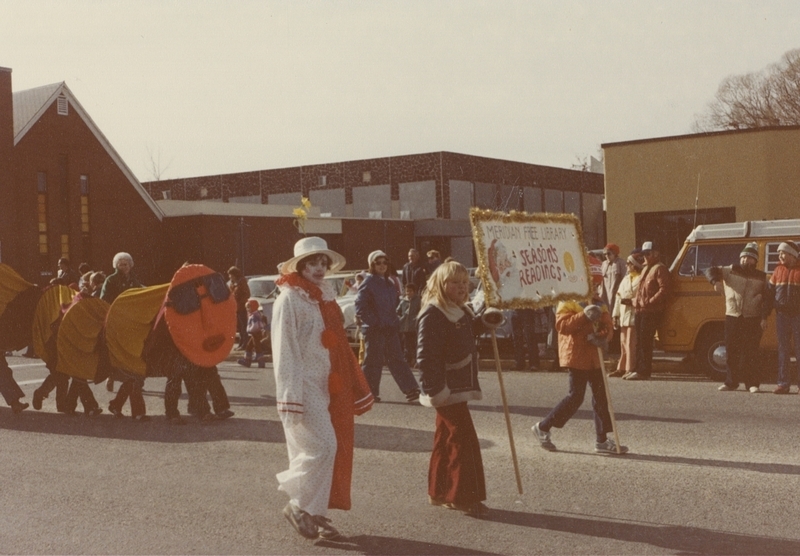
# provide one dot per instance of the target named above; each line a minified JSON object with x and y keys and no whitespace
{"x":376,"y":301}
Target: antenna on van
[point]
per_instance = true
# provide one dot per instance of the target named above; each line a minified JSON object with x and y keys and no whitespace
{"x":696,"y":201}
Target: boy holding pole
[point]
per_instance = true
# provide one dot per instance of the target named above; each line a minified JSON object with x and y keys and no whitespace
{"x":583,"y":330}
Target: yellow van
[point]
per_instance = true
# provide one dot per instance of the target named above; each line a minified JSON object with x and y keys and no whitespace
{"x":694,"y":321}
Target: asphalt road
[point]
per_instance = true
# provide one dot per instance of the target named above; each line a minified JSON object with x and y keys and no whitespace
{"x":708,"y":473}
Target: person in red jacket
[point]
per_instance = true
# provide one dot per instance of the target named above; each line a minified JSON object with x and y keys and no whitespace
{"x":648,"y":310}
{"x":582,"y":328}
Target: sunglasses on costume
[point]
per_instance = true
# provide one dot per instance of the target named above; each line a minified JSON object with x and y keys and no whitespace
{"x":185,"y":299}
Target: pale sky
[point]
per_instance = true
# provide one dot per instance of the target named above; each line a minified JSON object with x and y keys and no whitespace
{"x":233,"y":86}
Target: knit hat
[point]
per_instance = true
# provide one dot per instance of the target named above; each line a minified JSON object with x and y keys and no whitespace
{"x":788,"y":247}
{"x":750,"y":250}
{"x":611,"y":248}
{"x":374,"y":255}
{"x":647,"y":246}
{"x":637,"y":264}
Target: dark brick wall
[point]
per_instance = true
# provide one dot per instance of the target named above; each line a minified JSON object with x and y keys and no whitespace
{"x":120,"y":219}
{"x":8,"y":253}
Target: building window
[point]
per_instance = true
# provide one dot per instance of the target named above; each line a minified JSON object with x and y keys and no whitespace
{"x":65,"y":246}
{"x":323,"y":181}
{"x":63,"y":105}
{"x":84,"y":184}
{"x":84,"y":214}
{"x":42,"y":219}
{"x":366,"y":177}
{"x":41,"y":185}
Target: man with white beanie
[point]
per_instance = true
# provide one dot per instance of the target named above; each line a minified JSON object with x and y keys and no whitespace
{"x":745,"y":288}
{"x":784,"y":295}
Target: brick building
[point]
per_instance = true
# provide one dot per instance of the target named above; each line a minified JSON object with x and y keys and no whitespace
{"x":65,"y":191}
{"x":393,"y":203}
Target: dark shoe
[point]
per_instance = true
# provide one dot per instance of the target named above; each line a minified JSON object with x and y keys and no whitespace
{"x":781,"y":390}
{"x":617,"y":374}
{"x":110,"y":385}
{"x":141,"y":418}
{"x":18,"y":406}
{"x":227,"y":414}
{"x":377,"y":399}
{"x":114,"y":411}
{"x":207,"y":418}
{"x":413,"y":396}
{"x":94,"y":412}
{"x":326,"y":531}
{"x":38,"y":397}
{"x":301,"y":521}
{"x":245,"y":362}
{"x":69,"y":412}
{"x":176,"y":420}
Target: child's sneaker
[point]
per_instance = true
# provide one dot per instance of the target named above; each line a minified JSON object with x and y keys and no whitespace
{"x":609,"y":447}
{"x":544,"y":438}
{"x":245,"y":361}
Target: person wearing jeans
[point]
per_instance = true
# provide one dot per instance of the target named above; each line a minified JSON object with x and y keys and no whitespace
{"x":376,"y":301}
{"x":784,"y":295}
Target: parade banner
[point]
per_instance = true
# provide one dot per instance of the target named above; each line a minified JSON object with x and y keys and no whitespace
{"x":527,"y":261}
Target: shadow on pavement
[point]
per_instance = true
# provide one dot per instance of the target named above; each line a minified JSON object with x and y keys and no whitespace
{"x":774,"y":468}
{"x":367,"y":437}
{"x":584,"y":414}
{"x":370,"y":544}
{"x":686,"y":540}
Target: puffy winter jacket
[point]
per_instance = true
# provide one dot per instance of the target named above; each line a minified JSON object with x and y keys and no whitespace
{"x":784,"y":290}
{"x":376,"y":302}
{"x":574,"y":350}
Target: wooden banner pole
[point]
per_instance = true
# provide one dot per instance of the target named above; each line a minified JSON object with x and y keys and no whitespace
{"x":608,"y":398}
{"x":505,"y":410}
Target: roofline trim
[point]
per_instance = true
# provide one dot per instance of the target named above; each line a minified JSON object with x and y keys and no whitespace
{"x":104,"y":142}
{"x":700,"y":135}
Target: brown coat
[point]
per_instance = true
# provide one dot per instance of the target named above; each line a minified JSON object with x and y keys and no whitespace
{"x":653,"y":289}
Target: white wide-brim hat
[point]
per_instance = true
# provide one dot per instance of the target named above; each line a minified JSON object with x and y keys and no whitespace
{"x":309,"y":246}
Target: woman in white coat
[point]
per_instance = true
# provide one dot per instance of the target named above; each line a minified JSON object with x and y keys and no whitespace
{"x":623,"y":317}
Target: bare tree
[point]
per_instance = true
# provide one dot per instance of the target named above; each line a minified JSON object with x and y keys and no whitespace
{"x":155,"y":167}
{"x":770,"y":97}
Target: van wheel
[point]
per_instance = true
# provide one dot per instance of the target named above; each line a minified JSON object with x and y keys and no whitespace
{"x":709,"y":353}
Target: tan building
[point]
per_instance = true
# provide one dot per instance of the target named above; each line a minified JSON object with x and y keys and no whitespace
{"x":659,"y":189}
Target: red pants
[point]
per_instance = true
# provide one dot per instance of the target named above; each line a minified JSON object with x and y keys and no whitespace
{"x":456,"y":469}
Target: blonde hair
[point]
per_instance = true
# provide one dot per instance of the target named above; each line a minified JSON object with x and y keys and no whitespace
{"x":434,"y":290}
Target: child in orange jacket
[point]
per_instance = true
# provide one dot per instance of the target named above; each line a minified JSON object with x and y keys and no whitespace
{"x":582,"y":329}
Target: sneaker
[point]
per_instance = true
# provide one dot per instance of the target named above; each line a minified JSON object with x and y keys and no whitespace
{"x":754,"y":389}
{"x":627,"y":375}
{"x":227,"y":414}
{"x":638,"y":376}
{"x":326,"y":530}
{"x":726,"y":388}
{"x":94,"y":412}
{"x":436,"y":501}
{"x":617,"y":374}
{"x":301,"y":521}
{"x":781,"y":389}
{"x":413,"y":396}
{"x":544,"y":438}
{"x":18,"y":406}
{"x":609,"y":447}
{"x":114,"y":411}
{"x":244,"y":362}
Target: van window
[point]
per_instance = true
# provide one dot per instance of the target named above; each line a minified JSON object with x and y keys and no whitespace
{"x":699,"y":258}
{"x":772,"y":260}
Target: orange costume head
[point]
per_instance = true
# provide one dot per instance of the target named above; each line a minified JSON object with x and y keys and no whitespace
{"x":201,"y":315}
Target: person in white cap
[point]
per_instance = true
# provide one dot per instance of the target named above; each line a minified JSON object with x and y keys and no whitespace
{"x":319,"y":387}
{"x":745,"y":288}
{"x":376,"y":304}
{"x":648,"y":309}
{"x":784,"y":296}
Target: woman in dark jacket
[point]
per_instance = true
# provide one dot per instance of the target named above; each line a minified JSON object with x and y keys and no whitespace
{"x":376,"y":301}
{"x":448,"y":361}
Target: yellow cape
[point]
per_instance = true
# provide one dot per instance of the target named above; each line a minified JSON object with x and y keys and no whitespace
{"x":48,"y":311}
{"x":11,"y":284}
{"x":77,"y":338}
{"x":128,"y":323}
